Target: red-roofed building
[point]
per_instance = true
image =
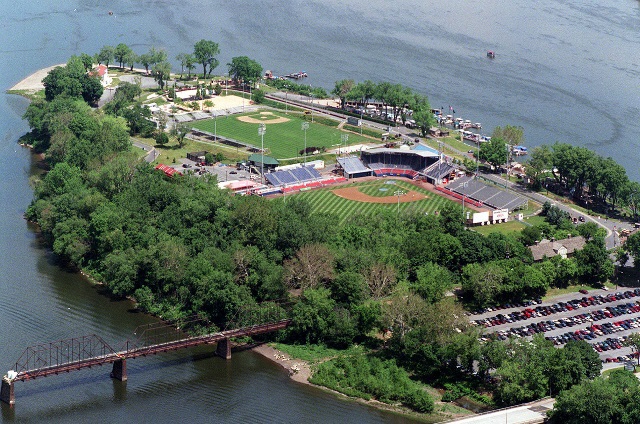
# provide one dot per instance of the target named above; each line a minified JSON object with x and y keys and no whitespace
{"x":168,"y":171}
{"x":103,"y":73}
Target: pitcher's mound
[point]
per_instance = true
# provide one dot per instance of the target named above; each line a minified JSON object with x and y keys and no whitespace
{"x":263,"y":118}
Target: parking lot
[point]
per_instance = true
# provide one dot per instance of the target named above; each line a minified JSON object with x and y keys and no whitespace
{"x":223,"y":172}
{"x":602,"y":318}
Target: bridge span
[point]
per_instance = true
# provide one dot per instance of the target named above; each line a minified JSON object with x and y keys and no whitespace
{"x":77,"y":353}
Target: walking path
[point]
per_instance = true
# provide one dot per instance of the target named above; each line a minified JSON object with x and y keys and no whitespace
{"x":530,"y":413}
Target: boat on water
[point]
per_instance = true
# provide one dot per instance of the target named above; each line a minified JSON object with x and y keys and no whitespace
{"x":491,"y":54}
{"x":519,"y":150}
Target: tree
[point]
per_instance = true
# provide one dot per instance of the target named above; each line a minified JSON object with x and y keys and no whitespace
{"x":162,"y":73}
{"x":91,"y":89}
{"x":432,"y":282}
{"x":180,"y":131}
{"x":131,"y":59}
{"x":633,"y":341}
{"x":494,"y":152}
{"x":539,"y":165}
{"x":205,"y":52}
{"x":87,"y":61}
{"x":342,"y":89}
{"x":121,"y":52}
{"x":311,"y":267}
{"x":258,"y":96}
{"x":593,"y":262}
{"x":242,"y":68}
{"x":312,"y":317}
{"x":601,"y":401}
{"x":105,"y":55}
{"x":381,"y":278}
{"x":510,"y":134}
{"x":424,"y":119}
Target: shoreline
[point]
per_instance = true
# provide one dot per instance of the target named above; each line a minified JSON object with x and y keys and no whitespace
{"x":33,"y":82}
{"x":300,"y":371}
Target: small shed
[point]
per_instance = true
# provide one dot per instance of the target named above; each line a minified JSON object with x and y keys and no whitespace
{"x":437,"y":132}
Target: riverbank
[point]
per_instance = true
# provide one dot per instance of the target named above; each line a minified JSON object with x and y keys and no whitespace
{"x":33,"y":82}
{"x":299,"y":370}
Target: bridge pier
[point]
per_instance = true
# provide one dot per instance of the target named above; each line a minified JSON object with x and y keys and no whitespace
{"x":224,"y":349}
{"x":119,"y":371}
{"x":7,"y":395}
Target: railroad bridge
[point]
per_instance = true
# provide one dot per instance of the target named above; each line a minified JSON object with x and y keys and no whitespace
{"x":73,"y":354}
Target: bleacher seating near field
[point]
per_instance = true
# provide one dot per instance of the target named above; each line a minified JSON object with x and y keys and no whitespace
{"x":459,"y":196}
{"x":354,"y":167}
{"x":439,"y":170}
{"x":294,"y":176}
{"x":489,"y":195}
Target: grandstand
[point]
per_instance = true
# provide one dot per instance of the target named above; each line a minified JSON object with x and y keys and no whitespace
{"x":439,"y":171}
{"x":488,"y":195}
{"x":353,"y":167}
{"x":398,"y":162}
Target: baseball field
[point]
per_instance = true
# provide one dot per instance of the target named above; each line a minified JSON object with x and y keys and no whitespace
{"x":370,"y":197}
{"x":284,"y":136}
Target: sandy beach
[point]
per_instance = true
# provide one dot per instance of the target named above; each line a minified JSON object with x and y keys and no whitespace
{"x":34,"y":81}
{"x":298,"y":370}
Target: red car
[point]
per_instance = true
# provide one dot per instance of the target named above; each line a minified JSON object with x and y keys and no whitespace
{"x":583,"y":291}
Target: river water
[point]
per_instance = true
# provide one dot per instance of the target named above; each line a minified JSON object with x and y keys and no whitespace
{"x":564,"y":70}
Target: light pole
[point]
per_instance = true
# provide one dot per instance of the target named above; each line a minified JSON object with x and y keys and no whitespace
{"x":399,"y":193}
{"x":464,"y":185}
{"x":508,"y":151}
{"x":344,"y":138}
{"x":305,"y":127}
{"x":215,"y":126}
{"x":439,"y":179}
{"x":261,"y":130}
{"x":477,"y":158}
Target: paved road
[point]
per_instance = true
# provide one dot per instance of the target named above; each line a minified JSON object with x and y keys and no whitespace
{"x":153,"y":153}
{"x":530,"y":413}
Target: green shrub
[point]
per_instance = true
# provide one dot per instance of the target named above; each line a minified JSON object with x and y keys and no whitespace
{"x":367,"y":376}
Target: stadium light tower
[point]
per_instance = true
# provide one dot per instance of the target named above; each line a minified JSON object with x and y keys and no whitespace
{"x":261,"y":130}
{"x":305,"y":127}
{"x":344,"y":138}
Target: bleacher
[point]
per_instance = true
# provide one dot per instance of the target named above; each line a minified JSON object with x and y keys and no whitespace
{"x":381,"y":170}
{"x":185,"y":117}
{"x":489,"y":195}
{"x":438,"y":171}
{"x":352,"y":165}
{"x":200,"y":115}
{"x":302,"y":175}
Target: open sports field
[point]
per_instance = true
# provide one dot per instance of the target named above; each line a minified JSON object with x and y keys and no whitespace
{"x":376,"y":196}
{"x":284,"y":137}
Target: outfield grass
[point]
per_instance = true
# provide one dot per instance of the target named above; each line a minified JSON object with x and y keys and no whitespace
{"x":325,"y":201}
{"x":282,"y":140}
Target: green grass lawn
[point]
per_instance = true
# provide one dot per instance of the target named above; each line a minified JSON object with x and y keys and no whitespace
{"x":324,"y":200}
{"x":282,"y":140}
{"x":509,"y":227}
